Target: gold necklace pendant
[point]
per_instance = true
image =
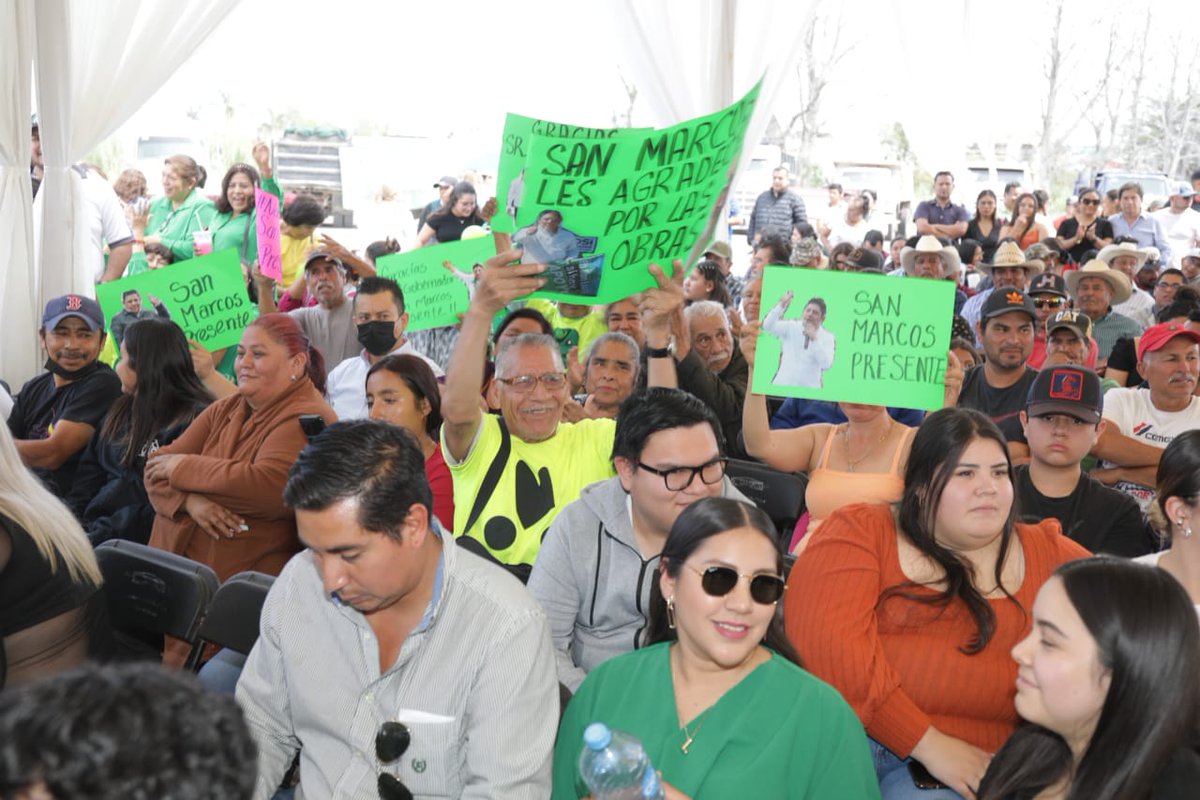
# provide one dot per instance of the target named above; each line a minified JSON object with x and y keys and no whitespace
{"x":687,"y":743}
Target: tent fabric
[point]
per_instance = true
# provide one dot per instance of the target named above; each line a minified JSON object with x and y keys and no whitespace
{"x":96,"y":64}
{"x":18,"y":297}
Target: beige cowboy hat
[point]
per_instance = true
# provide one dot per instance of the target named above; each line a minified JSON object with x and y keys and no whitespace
{"x":1009,"y":254}
{"x":1119,"y":281}
{"x":1111,"y":251}
{"x":951,"y":263}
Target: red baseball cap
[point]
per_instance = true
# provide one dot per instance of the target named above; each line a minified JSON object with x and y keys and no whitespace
{"x":1157,"y":336}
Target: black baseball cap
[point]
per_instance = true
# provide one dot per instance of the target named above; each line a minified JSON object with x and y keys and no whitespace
{"x":1003,"y":301}
{"x":1048,"y":283}
{"x":863,"y":259}
{"x":1068,"y":389}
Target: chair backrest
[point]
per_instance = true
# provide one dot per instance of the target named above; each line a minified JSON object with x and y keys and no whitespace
{"x":232,"y":618}
{"x":152,"y":593}
{"x":780,"y":494}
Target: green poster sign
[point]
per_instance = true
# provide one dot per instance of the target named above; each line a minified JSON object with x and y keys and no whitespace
{"x":600,"y":209}
{"x":438,"y":280}
{"x":510,"y":174}
{"x":205,"y":296}
{"x":857,"y":337}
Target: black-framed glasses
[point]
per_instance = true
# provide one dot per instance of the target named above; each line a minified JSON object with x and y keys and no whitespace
{"x":676,"y":479}
{"x":765,"y":588}
{"x":1048,"y":302}
{"x":391,"y":742}
{"x":1092,"y":202}
{"x":552,"y":381}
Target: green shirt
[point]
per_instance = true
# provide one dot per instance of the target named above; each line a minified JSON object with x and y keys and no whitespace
{"x":176,"y":225}
{"x":241,"y":231}
{"x":779,"y":733}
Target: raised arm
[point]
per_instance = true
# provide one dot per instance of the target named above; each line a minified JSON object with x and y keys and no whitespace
{"x":660,"y":309}
{"x":500,"y":284}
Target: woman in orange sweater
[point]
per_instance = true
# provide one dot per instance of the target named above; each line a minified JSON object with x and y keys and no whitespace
{"x":910,"y":611}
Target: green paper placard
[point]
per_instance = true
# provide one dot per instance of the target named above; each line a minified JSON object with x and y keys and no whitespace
{"x":626,"y":201}
{"x":434,"y":294}
{"x":883,"y":340}
{"x":510,"y":177}
{"x":205,"y":296}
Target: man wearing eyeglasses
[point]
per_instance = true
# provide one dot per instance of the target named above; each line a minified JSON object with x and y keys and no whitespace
{"x":397,"y":664}
{"x":601,"y":555}
{"x":514,"y":472}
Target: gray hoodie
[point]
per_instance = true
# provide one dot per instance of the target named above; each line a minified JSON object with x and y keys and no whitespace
{"x":593,"y":582}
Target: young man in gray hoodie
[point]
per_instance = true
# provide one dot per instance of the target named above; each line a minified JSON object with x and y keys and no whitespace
{"x":600,"y":555}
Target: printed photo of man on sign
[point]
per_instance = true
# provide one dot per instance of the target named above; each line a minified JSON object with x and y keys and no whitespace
{"x":806,"y":347}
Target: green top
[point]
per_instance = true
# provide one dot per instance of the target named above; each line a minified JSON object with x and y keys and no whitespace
{"x":176,"y":226}
{"x":779,"y":733}
{"x":241,"y":232}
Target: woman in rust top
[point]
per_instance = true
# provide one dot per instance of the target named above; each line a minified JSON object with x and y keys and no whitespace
{"x":911,"y":610}
{"x":218,"y":489}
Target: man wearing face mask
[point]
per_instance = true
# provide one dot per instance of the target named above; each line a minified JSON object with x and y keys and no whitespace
{"x":380,"y":320}
{"x":56,"y":414}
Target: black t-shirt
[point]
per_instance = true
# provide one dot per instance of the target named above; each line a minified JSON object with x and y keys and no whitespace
{"x":1124,"y":357}
{"x":449,"y":228}
{"x":1101,"y":519}
{"x":40,"y":404}
{"x":1070,"y":227}
{"x":1002,"y":406}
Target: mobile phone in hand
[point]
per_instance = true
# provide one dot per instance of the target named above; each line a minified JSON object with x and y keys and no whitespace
{"x":921,"y":777}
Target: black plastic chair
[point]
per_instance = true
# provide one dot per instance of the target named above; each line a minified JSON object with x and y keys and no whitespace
{"x":780,"y":494}
{"x":233,"y":615}
{"x":152,"y":594}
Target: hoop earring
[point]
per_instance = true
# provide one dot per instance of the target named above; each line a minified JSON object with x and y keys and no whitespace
{"x":1184,"y":527}
{"x":671,"y":612}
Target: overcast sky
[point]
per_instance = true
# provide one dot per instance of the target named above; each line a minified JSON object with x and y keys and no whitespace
{"x":970,"y":72}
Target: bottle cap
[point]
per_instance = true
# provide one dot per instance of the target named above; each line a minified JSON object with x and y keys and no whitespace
{"x":597,"y":736}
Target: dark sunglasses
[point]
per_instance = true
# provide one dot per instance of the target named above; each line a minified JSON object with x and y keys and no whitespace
{"x":390,"y":743}
{"x":1048,"y":302}
{"x":1092,"y":202}
{"x":719,"y":581}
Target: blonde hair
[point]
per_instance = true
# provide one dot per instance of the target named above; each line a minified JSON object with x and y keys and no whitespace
{"x":53,"y":528}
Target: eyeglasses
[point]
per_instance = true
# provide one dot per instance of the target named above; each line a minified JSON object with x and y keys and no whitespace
{"x":1048,"y":302}
{"x":677,"y":479}
{"x":552,"y":381}
{"x":1168,"y":285}
{"x":390,"y":743}
{"x":765,"y":589}
{"x":1092,"y":202}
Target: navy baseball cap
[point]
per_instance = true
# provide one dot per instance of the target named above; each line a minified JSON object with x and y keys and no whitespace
{"x":1068,"y":389}
{"x":73,"y":305}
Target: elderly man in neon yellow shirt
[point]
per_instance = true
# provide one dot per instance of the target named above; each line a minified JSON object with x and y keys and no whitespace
{"x":514,"y":472}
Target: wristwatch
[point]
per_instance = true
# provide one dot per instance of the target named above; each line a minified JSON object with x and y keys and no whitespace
{"x":660,"y":352}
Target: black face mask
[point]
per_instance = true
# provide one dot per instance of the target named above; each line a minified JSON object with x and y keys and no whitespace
{"x":71,"y":374}
{"x":378,"y":337}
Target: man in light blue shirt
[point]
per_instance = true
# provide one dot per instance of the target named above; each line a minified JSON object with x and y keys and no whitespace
{"x":1132,"y":222}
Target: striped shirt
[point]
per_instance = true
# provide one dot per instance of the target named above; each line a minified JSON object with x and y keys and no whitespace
{"x":474,"y":683}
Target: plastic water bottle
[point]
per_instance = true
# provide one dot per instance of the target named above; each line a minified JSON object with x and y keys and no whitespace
{"x":615,"y":767}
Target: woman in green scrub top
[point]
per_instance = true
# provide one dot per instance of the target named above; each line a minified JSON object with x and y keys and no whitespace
{"x":235,"y":224}
{"x":182,"y":210}
{"x":719,"y":700}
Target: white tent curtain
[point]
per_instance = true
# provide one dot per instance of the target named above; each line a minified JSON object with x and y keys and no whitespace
{"x":18,"y":351}
{"x":96,"y":64}
{"x":693,"y":57}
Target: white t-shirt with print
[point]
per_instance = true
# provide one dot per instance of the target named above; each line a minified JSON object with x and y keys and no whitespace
{"x":1136,"y":417}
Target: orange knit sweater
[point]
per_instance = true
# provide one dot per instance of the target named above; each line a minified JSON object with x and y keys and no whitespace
{"x":898,"y":664}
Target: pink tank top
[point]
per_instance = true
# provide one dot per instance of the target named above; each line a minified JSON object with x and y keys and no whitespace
{"x":830,"y":489}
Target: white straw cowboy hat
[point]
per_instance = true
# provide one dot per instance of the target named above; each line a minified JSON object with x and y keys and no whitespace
{"x":951,"y":263}
{"x":1119,"y":281}
{"x":1009,"y":254}
{"x":1111,"y":251}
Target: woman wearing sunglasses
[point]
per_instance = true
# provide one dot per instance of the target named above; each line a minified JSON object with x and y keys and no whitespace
{"x":1107,"y":684}
{"x":719,"y":701}
{"x":910,"y":610}
{"x":1087,"y":229}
